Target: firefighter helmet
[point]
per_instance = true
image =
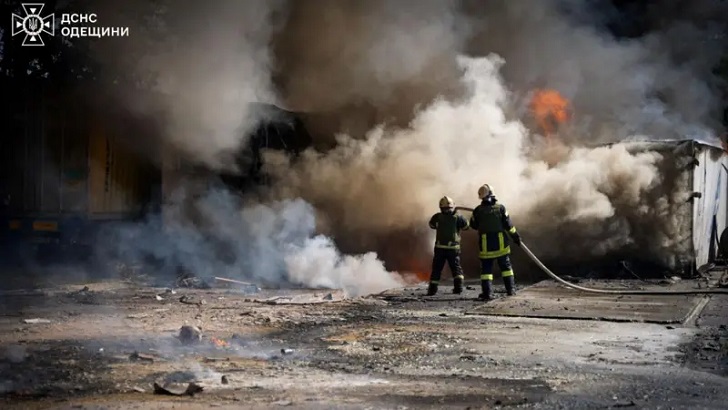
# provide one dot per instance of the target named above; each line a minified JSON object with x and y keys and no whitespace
{"x":446,"y":202}
{"x":485,"y":191}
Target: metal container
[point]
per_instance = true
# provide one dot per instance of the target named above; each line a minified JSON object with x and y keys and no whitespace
{"x":64,"y":173}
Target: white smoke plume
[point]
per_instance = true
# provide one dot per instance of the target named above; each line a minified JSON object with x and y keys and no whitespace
{"x":392,"y":179}
{"x":271,"y":244}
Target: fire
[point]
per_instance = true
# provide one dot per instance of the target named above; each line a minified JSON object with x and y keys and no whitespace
{"x":550,"y":109}
{"x":419,"y":268}
{"x":219,"y":342}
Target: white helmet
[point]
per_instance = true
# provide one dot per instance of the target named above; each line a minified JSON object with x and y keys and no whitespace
{"x":446,"y":202}
{"x":484,"y":191}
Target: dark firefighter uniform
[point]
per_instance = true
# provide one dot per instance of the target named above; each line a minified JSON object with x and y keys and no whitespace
{"x":448,"y":225}
{"x":494,"y":228}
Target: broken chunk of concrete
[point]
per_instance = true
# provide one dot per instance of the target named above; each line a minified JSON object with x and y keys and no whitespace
{"x":191,"y":390}
{"x":136,"y":356}
{"x":191,"y":300}
{"x":189,"y":335}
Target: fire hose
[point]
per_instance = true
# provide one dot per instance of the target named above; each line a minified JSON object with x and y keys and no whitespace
{"x":570,"y":285}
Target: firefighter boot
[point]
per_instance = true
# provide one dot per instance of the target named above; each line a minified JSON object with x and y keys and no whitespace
{"x":457,"y":285}
{"x":432,"y":290}
{"x":510,"y":283}
{"x":487,"y":288}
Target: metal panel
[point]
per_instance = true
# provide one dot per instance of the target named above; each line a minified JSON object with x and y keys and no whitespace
{"x":709,"y":180}
{"x":118,"y":179}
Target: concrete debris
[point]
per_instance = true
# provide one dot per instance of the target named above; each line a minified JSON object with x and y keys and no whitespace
{"x":191,"y":300}
{"x":304,"y":299}
{"x":136,"y":356}
{"x":245,"y":287}
{"x":189,"y":335}
{"x":189,"y":280}
{"x":36,"y":321}
{"x":191,"y":390}
{"x":159,"y":298}
{"x":286,"y":351}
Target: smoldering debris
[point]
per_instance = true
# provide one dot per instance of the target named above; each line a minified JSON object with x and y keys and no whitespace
{"x":190,"y":335}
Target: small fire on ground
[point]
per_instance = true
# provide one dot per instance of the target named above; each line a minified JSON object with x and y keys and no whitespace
{"x":219,"y":342}
{"x":419,"y":269}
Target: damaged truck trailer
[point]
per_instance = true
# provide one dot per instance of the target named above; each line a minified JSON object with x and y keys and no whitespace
{"x":685,"y":214}
{"x":68,"y":175}
{"x":65,"y":175}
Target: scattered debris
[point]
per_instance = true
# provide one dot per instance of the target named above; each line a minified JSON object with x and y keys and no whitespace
{"x":136,"y":356}
{"x":190,"y":335}
{"x":138,"y":389}
{"x":191,"y":390}
{"x":159,"y":298}
{"x":246,"y":287}
{"x":190,"y":300}
{"x":189,"y":280}
{"x":286,"y":351}
{"x":36,"y":321}
{"x":216,"y":359}
{"x":137,"y":316}
{"x":224,"y":380}
{"x":305,"y":299}
{"x":283,"y":402}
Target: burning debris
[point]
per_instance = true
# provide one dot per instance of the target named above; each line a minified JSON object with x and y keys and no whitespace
{"x":219,"y":343}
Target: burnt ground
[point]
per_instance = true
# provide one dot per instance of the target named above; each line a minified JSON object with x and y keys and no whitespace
{"x":394,"y":350}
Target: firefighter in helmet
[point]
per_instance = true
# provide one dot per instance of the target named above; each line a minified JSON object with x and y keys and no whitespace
{"x":494,"y":227}
{"x":448,"y":225}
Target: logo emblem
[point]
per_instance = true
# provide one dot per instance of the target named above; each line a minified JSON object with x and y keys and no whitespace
{"x":33,"y":25}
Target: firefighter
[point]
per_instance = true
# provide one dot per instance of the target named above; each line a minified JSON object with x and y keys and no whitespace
{"x":448,"y":225}
{"x":494,"y":227}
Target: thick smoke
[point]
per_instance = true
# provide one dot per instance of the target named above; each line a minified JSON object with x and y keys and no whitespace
{"x":573,"y":203}
{"x":391,"y":180}
{"x":654,"y":85}
{"x":428,"y":99}
{"x":203,"y":67}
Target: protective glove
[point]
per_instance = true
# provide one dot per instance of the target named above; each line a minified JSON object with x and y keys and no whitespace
{"x":516,"y":238}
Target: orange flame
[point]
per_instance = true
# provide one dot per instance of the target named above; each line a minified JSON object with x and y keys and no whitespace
{"x":550,"y":109}
{"x":419,"y":268}
{"x":219,"y":342}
